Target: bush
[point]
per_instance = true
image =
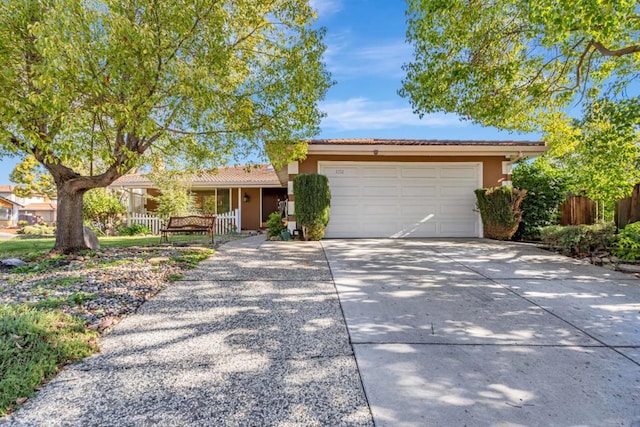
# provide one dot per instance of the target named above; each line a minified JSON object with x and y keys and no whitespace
{"x":579,"y":240}
{"x":103,"y":210}
{"x":312,"y":203}
{"x":134,"y":230}
{"x":23,"y":222}
{"x":500,"y":211}
{"x":36,"y":230}
{"x":275,"y":224}
{"x":546,"y":190}
{"x":628,"y":243}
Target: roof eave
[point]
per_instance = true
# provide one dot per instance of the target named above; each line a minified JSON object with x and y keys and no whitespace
{"x":431,"y":150}
{"x":196,"y":185}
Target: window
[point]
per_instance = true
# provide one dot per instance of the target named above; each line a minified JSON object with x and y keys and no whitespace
{"x":214,"y":202}
{"x":5,"y":214}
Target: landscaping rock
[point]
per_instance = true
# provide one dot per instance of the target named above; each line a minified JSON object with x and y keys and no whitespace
{"x":13,"y":262}
{"x":90,"y":238}
{"x":629,"y":268}
{"x":158,"y":260}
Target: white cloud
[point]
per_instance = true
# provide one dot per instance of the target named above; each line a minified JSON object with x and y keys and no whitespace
{"x":364,"y":114}
{"x":326,"y":7}
{"x":347,"y":61}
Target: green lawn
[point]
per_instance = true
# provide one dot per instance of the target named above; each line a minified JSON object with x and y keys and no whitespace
{"x":34,"y":345}
{"x":20,"y":246}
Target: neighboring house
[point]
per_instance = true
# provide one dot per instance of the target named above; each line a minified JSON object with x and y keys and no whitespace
{"x":33,"y":209}
{"x":9,"y":211}
{"x":407,"y":188}
{"x":255,"y":192}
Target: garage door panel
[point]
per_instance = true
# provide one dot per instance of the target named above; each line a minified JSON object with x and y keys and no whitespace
{"x":418,"y":212}
{"x":418,"y":172}
{"x":458,"y":212}
{"x":380,"y":191}
{"x":458,"y":172}
{"x":414,"y":190}
{"x":345,"y":191}
{"x":402,"y":200}
{"x":378,"y":172}
{"x":456,"y":229}
{"x":456,"y":192}
{"x":341,"y":171}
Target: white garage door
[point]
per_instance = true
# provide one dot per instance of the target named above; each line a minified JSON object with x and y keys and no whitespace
{"x":371,"y":199}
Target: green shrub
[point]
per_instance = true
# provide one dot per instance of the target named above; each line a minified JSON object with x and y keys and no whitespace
{"x":546,"y":190}
{"x":275,"y":224}
{"x":312,"y":203}
{"x":23,"y":222}
{"x":36,"y":230}
{"x":628,"y":243}
{"x":579,"y":239}
{"x":500,"y":211}
{"x":134,"y":230}
{"x":102,"y":210}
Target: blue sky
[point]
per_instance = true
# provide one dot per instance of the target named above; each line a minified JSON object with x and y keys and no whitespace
{"x":365,"y":52}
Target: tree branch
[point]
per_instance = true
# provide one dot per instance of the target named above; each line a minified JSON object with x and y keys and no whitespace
{"x":617,"y":52}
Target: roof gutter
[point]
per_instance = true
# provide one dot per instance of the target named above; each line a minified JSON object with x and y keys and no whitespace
{"x":512,"y":151}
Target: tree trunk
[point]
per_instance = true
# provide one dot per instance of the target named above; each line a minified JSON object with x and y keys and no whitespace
{"x":69,"y":235}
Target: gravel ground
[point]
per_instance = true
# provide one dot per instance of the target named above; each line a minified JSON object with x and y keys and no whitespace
{"x":241,"y":342}
{"x":102,"y":287}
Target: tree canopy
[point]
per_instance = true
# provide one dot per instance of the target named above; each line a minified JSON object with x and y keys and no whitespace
{"x":30,"y":178}
{"x":104,"y":82}
{"x":604,"y":159}
{"x":520,"y":64}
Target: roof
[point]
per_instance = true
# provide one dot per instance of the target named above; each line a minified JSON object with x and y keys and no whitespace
{"x":429,"y":147}
{"x":9,"y":200}
{"x":6,"y":188}
{"x":449,"y":142}
{"x":234,"y":176}
{"x":39,"y":207}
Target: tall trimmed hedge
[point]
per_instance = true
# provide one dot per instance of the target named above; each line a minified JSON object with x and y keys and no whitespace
{"x":546,"y":190}
{"x":312,"y":203}
{"x":500,"y":211}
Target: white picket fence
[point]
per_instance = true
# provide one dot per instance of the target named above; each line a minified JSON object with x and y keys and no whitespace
{"x":228,"y":222}
{"x":153,"y":223}
{"x":225,"y":223}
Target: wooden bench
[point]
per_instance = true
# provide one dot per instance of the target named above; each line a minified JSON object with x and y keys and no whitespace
{"x":189,"y":224}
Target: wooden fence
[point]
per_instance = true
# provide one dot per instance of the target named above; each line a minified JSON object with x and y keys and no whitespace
{"x":225,"y":223}
{"x":577,"y":210}
{"x":628,"y":210}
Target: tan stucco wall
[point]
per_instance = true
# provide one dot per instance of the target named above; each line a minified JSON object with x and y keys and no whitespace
{"x":491,"y":165}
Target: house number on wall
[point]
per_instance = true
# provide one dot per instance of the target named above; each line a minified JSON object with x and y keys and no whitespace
{"x":339,"y":171}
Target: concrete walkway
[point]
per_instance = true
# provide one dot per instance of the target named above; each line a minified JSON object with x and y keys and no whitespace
{"x":479,"y":333}
{"x":254,"y":336}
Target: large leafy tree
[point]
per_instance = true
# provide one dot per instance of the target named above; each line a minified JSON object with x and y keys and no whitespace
{"x":520,"y":64}
{"x":31,"y":178}
{"x":104,"y":82}
{"x":604,"y":158}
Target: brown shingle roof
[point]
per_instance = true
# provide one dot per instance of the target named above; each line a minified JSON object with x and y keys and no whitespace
{"x":377,"y":141}
{"x":39,"y":207}
{"x":262,"y":175}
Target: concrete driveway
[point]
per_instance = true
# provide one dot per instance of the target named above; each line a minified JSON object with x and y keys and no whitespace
{"x":474,"y":332}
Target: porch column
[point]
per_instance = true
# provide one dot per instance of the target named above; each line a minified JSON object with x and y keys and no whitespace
{"x":292,"y":170}
{"x":506,"y":172}
{"x":239,"y":219}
